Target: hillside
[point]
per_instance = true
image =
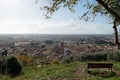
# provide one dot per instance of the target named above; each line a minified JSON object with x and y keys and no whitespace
{"x":72,"y":71}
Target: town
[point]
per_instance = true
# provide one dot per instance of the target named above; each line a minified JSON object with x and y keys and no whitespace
{"x":54,"y":46}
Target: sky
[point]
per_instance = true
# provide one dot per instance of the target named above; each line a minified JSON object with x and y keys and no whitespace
{"x":25,"y":17}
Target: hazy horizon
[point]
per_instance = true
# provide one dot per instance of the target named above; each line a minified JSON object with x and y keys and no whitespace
{"x":47,"y":34}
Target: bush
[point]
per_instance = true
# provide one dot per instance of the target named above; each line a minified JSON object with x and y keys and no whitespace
{"x":98,"y":56}
{"x":55,"y":61}
{"x":115,"y":56}
{"x":13,"y":66}
{"x":65,"y":60}
{"x":71,"y":58}
{"x":10,"y":66}
{"x":2,"y":66}
{"x":26,"y":60}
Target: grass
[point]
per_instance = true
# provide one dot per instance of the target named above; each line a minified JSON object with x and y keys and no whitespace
{"x":61,"y":71}
{"x":102,"y":73}
{"x":117,"y":65}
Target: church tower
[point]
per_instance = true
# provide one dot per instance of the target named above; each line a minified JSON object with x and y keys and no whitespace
{"x":62,"y":47}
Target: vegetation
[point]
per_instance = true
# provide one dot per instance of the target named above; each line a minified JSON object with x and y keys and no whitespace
{"x":26,"y":60}
{"x":97,"y":56}
{"x":55,"y":61}
{"x":10,"y":65}
{"x":72,"y":71}
{"x":73,"y":67}
{"x":71,"y":58}
{"x":101,"y":73}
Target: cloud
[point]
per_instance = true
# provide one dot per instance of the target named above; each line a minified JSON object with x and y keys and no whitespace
{"x":53,"y":27}
{"x":76,"y":27}
{"x":24,"y":16}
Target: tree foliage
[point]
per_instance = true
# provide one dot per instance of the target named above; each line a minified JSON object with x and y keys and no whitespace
{"x":104,"y":7}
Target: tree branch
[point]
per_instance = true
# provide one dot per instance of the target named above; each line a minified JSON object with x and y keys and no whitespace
{"x":109,"y":10}
{"x":107,"y":1}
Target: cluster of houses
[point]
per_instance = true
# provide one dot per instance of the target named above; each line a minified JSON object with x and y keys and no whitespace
{"x":53,"y":49}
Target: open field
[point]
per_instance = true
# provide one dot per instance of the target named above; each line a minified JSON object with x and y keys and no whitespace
{"x":72,"y":71}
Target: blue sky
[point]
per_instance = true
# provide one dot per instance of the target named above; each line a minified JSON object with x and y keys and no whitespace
{"x":24,"y":17}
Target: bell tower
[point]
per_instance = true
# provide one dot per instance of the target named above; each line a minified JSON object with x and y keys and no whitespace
{"x":62,"y":47}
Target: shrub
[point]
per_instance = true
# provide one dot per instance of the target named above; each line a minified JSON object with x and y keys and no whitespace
{"x":98,"y":56}
{"x":55,"y":61}
{"x":13,"y":66}
{"x":115,"y":56}
{"x":25,"y":59}
{"x":10,"y":66}
{"x":66,"y":60}
{"x":71,"y":58}
{"x":2,"y":66}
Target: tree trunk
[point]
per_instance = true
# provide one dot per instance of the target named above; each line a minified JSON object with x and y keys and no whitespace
{"x":116,"y":39}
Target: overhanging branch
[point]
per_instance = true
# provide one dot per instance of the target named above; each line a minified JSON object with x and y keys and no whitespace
{"x":108,"y":9}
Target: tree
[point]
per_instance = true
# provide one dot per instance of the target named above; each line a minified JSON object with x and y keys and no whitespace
{"x":107,"y":8}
